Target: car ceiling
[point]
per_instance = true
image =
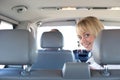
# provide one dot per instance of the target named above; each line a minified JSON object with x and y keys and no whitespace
{"x":34,"y":12}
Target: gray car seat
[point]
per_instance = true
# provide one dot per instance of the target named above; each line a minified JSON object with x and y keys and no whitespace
{"x":16,"y":48}
{"x":52,"y":56}
{"x":106,"y":51}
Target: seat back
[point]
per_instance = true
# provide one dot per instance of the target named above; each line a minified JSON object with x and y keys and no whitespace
{"x":52,"y":56}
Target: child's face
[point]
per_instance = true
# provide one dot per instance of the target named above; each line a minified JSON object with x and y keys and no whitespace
{"x":86,"y":40}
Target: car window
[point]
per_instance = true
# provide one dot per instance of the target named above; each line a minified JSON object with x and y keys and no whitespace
{"x":5,"y":25}
{"x":69,"y":33}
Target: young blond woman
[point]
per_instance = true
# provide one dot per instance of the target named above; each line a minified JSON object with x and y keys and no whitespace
{"x":87,"y":29}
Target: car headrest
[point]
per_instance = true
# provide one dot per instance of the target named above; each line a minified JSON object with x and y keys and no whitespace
{"x":73,"y":70}
{"x":106,"y":48}
{"x":52,"y":40}
{"x":16,"y":47}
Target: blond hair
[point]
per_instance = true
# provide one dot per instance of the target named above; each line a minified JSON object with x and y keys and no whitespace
{"x":89,"y":24}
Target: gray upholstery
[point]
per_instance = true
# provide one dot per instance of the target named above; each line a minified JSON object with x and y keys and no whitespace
{"x":106,"y":48}
{"x":71,"y":71}
{"x":76,"y":71}
{"x":52,"y":40}
{"x":52,"y":56}
{"x":16,"y":47}
{"x":53,"y":60}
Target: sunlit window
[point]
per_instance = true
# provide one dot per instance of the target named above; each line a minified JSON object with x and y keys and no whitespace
{"x":5,"y":25}
{"x":112,"y":27}
{"x":69,"y":34}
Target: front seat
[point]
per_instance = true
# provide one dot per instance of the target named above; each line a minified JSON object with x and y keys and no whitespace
{"x":52,"y":56}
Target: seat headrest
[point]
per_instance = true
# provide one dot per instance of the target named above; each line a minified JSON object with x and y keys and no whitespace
{"x":52,"y":40}
{"x":15,"y":47}
{"x":106,"y":48}
{"x":73,"y":71}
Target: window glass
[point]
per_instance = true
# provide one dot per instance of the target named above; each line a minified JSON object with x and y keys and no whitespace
{"x":112,"y":27}
{"x":69,"y":34}
{"x":5,"y":25}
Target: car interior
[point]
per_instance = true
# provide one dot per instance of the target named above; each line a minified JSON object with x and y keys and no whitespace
{"x":31,"y":50}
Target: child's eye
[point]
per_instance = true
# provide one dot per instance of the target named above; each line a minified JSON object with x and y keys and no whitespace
{"x":87,"y":35}
{"x":79,"y":37}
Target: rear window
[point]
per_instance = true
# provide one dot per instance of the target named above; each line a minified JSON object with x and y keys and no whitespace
{"x":69,"y":34}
